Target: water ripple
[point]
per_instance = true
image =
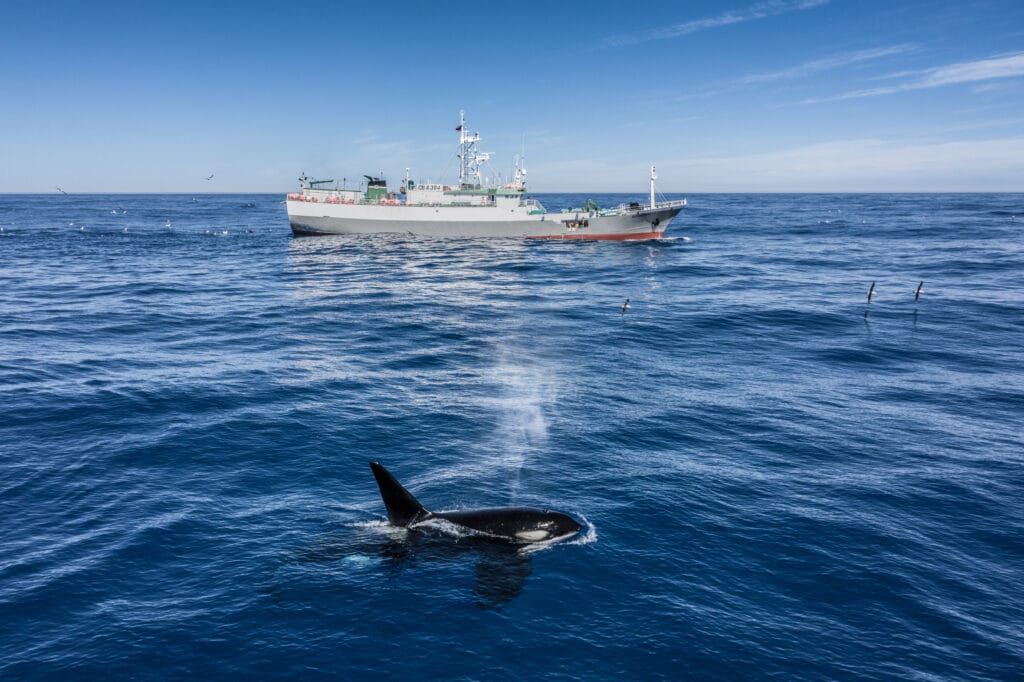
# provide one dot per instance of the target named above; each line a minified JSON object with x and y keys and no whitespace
{"x":779,"y":479}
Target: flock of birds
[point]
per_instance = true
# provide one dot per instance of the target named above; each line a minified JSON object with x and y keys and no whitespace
{"x":917,"y":297}
{"x":871,"y":294}
{"x":917,"y":292}
{"x":167,"y":224}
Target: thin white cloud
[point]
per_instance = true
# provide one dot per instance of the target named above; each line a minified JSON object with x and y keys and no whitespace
{"x":982,"y":70}
{"x":761,"y":10}
{"x":995,"y":164}
{"x":814,"y":66}
{"x":1004,"y":66}
{"x":988,"y":87}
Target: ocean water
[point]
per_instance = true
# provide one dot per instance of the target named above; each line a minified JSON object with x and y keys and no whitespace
{"x":777,"y":479}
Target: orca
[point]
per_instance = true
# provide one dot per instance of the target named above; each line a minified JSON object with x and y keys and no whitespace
{"x":518,"y":525}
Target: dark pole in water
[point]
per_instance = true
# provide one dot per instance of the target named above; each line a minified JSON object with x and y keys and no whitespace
{"x":917,"y":294}
{"x":871,"y":292}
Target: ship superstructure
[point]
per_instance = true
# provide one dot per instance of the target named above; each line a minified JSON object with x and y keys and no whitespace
{"x":470,"y":208}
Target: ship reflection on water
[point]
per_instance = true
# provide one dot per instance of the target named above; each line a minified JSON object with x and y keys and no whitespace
{"x":462,"y":271}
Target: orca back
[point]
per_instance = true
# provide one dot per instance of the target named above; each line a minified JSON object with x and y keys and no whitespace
{"x":403,"y":508}
{"x":517,"y":524}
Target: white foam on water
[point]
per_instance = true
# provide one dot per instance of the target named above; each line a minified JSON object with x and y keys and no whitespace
{"x":588,"y":536}
{"x":359,"y":561}
{"x":448,"y":528}
{"x":370,"y":524}
{"x":382,"y":528}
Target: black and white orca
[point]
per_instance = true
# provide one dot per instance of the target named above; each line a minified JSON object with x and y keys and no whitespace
{"x":511,"y":524}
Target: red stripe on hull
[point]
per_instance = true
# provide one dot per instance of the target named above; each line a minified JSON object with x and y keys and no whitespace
{"x":599,"y":237}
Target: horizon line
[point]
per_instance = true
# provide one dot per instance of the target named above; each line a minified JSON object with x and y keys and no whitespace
{"x":819,"y":191}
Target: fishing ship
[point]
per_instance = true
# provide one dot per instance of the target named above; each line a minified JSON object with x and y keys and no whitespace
{"x":469,"y":208}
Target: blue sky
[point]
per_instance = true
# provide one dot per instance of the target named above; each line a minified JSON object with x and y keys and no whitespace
{"x":744,"y":95}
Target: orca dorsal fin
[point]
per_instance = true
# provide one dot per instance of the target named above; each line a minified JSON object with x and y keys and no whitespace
{"x":403,"y":507}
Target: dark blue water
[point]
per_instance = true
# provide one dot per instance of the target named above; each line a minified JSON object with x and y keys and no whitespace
{"x":778,"y":479}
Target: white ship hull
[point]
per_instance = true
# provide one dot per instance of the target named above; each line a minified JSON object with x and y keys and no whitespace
{"x":308,"y":218}
{"x":470,"y":208}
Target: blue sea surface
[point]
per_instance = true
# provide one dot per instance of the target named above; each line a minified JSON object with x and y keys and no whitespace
{"x":777,"y":479}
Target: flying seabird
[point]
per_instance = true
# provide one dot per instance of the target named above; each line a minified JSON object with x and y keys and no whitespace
{"x":625,"y":306}
{"x":209,"y":177}
{"x":917,"y":294}
{"x":61,"y":191}
{"x":871,"y":292}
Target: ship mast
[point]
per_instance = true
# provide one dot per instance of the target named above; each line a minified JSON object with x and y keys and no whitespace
{"x":653,"y":178}
{"x":469,"y":158}
{"x":519,"y":177}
